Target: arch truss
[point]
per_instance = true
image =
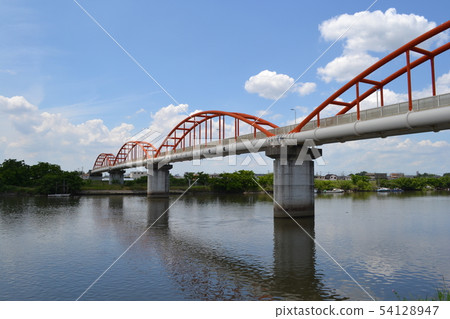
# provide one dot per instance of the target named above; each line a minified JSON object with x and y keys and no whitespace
{"x":134,"y":151}
{"x":367,"y":77}
{"x":104,"y":160}
{"x":208,"y":126}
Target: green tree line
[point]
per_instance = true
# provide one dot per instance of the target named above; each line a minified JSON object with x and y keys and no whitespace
{"x":42,"y":178}
{"x":236,"y":182}
{"x":360,"y":182}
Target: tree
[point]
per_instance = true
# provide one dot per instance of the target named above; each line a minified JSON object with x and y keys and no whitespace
{"x":177,"y":181}
{"x":407,"y":183}
{"x":236,"y":182}
{"x":200,"y":177}
{"x":362,"y":182}
{"x":65,"y":182}
{"x":15,"y":173}
{"x":189,"y":177}
{"x":42,"y":169}
{"x":266,"y":181}
{"x":323,"y":185}
{"x":345,"y":185}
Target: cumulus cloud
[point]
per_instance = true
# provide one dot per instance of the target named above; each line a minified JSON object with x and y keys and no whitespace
{"x":305,"y":88}
{"x":166,"y":118}
{"x":271,"y":85}
{"x":29,"y":134}
{"x":346,"y":67}
{"x":436,"y":144}
{"x":376,"y":31}
{"x":15,"y":105}
{"x":443,"y":84}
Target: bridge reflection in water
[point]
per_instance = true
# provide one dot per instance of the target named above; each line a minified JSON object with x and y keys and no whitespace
{"x":206,"y":270}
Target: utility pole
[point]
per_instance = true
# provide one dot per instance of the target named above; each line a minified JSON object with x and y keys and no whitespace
{"x":295,"y":114}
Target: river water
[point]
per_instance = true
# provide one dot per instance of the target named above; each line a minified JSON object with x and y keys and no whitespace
{"x":210,"y":247}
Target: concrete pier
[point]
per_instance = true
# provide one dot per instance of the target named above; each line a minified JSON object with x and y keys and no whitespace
{"x":293,"y":182}
{"x":116,"y":177}
{"x":158,"y":180}
{"x":95,"y":176}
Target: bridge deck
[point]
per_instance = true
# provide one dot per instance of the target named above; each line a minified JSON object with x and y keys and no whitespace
{"x":368,"y":114}
{"x":332,"y":129}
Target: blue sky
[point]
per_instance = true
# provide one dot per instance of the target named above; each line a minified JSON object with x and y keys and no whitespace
{"x":69,"y":92}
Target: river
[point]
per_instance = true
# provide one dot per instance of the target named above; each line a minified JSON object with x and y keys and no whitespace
{"x":211,"y":247}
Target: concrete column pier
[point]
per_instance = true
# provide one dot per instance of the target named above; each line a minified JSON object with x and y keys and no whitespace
{"x":95,"y":176}
{"x":293,"y":183}
{"x":116,"y":177}
{"x":158,"y":180}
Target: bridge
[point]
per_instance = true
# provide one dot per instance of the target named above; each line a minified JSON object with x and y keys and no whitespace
{"x":206,"y":134}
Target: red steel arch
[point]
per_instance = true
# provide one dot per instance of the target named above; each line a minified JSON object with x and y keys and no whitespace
{"x":134,"y":150}
{"x":189,"y":131}
{"x":378,"y":85}
{"x":104,"y":160}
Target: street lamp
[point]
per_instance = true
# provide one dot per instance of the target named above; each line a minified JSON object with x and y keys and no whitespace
{"x":295,"y":114}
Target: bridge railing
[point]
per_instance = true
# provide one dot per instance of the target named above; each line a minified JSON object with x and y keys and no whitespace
{"x":374,"y":113}
{"x":368,"y":114}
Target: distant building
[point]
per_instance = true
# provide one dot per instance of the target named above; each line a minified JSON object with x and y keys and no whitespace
{"x":377,"y":176}
{"x":331,"y":177}
{"x":137,"y":174}
{"x":396,"y":175}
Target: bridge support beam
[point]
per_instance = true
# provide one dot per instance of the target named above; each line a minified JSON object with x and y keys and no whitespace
{"x":158,"y":180}
{"x":293,"y":183}
{"x":116,"y":177}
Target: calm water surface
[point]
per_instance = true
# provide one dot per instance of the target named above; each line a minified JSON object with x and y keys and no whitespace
{"x":209,"y":247}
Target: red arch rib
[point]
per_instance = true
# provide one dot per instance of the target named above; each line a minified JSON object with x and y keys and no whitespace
{"x":104,"y":160}
{"x":378,"y":85}
{"x":189,"y":125}
{"x":134,"y":150}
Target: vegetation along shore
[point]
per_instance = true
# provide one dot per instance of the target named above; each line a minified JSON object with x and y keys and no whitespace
{"x":16,"y":177}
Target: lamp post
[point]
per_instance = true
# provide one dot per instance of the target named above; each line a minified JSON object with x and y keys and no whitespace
{"x":295,"y":114}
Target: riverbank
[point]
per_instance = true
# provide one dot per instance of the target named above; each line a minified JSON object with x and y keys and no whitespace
{"x":178,"y":190}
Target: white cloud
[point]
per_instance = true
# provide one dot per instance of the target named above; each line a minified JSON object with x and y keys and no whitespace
{"x":443,"y":83}
{"x":375,"y":31}
{"x":26,"y":133}
{"x":437,"y":144}
{"x":270,"y":85}
{"x":346,"y":67}
{"x":166,"y":118}
{"x":305,"y":88}
{"x":15,"y":105}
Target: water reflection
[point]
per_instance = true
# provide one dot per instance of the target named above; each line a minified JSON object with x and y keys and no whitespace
{"x":212,"y":247}
{"x":294,"y":256}
{"x":206,"y":269}
{"x":295,"y":275}
{"x":158,"y":212}
{"x":115,"y":203}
